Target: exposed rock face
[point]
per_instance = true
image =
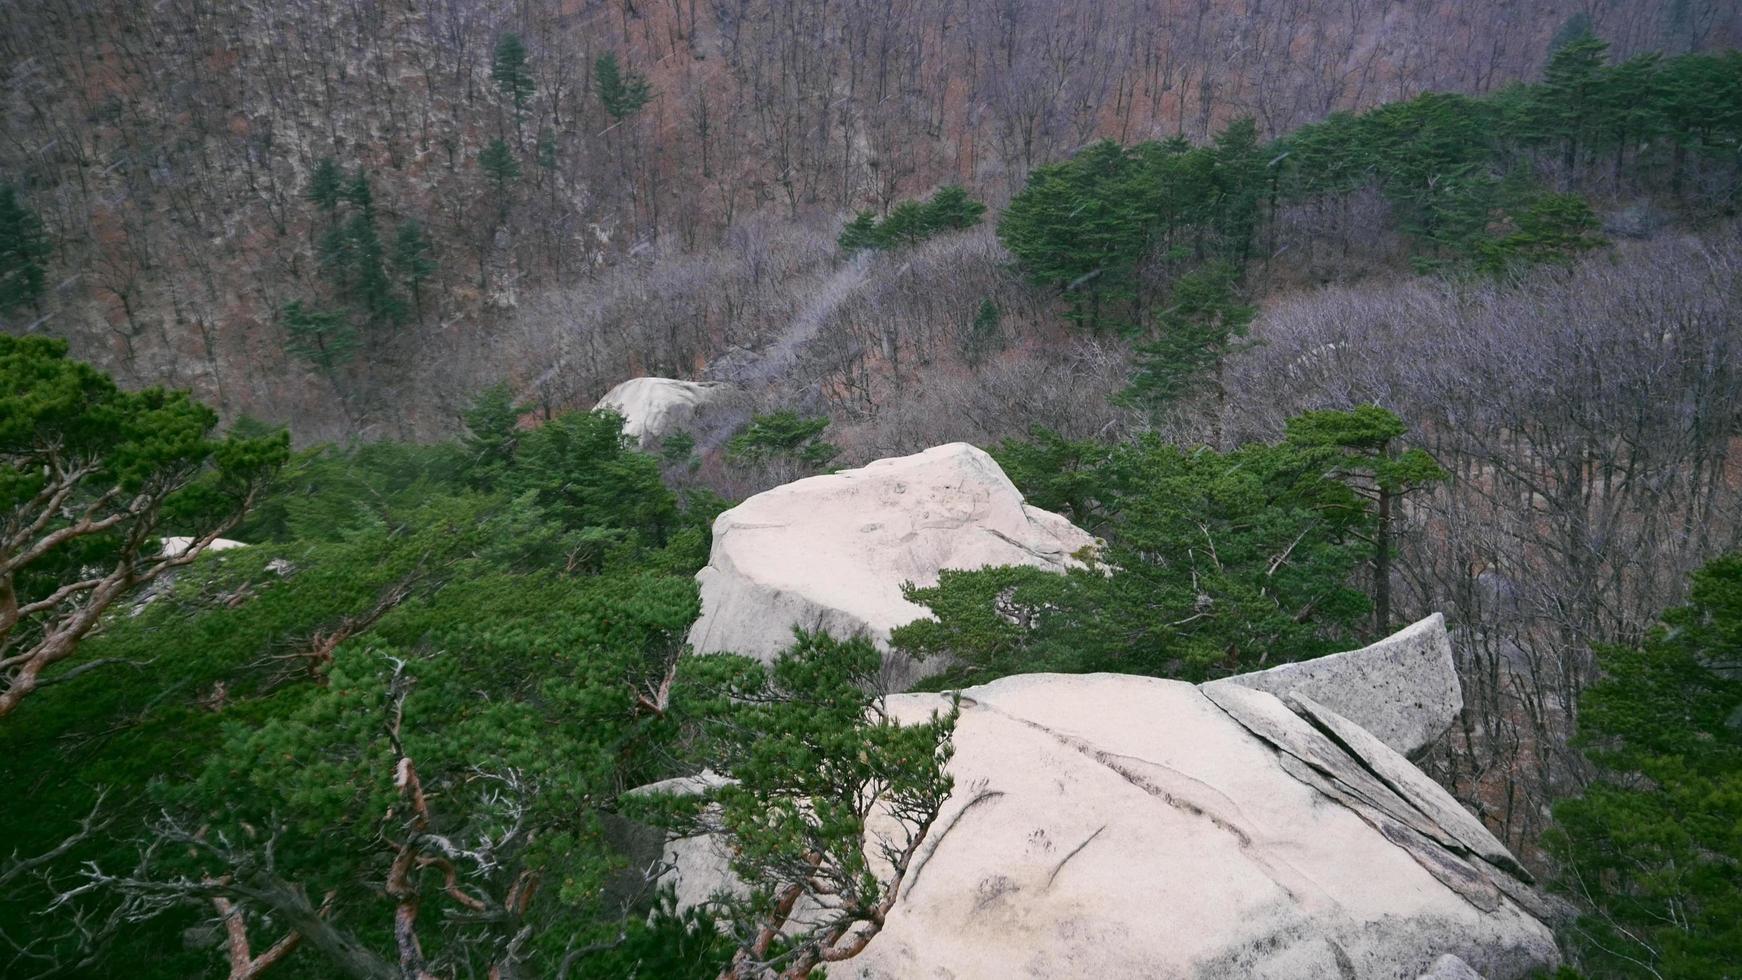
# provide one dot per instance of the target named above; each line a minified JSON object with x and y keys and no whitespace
{"x":831,"y":552}
{"x":653,"y":408}
{"x":1449,"y":967}
{"x":1107,"y":826}
{"x":1403,"y":689}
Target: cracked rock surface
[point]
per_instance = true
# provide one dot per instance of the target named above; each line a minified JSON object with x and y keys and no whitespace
{"x":1106,"y":825}
{"x":1403,"y":689}
{"x":831,"y":552}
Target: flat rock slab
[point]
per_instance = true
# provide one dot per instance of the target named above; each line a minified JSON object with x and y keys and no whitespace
{"x":1113,"y":826}
{"x":1403,"y":689}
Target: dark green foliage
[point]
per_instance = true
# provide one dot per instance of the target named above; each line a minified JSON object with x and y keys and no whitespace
{"x":951,"y":208}
{"x":492,"y":434}
{"x":905,"y":226}
{"x":365,"y":280}
{"x":323,"y":338}
{"x":293,"y":696}
{"x":412,"y":259}
{"x":860,"y":233}
{"x":326,"y":185}
{"x":1376,"y":468}
{"x":912,"y":222}
{"x":579,"y":470}
{"x":352,"y":257}
{"x":1576,"y":27}
{"x":984,"y":333}
{"x":90,"y":478}
{"x":1205,"y":323}
{"x":509,"y":70}
{"x":442,"y":639}
{"x":1239,"y":181}
{"x":501,"y":169}
{"x":1554,"y":228}
{"x":329,"y":494}
{"x":783,"y":435}
{"x":622,"y":90}
{"x":1652,"y":850}
{"x":1459,"y":173}
{"x":24,"y":251}
{"x":358,"y":193}
{"x":1080,"y":227}
{"x":1215,"y":563}
{"x":1565,"y":106}
{"x":678,"y":447}
{"x":814,"y":756}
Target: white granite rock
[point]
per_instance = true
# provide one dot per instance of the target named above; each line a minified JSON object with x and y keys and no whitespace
{"x":175,"y":546}
{"x":1403,"y":689}
{"x":1107,"y":826}
{"x":1449,"y":967}
{"x":831,"y":552}
{"x":653,"y":408}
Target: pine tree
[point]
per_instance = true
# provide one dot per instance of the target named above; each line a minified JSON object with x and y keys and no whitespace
{"x":492,"y":435}
{"x":1567,"y":101}
{"x":24,"y":251}
{"x":412,"y":259}
{"x":1576,"y":26}
{"x":353,"y":259}
{"x":859,"y":234}
{"x":1239,"y":184}
{"x":984,"y":334}
{"x":1205,"y":323}
{"x":326,"y":186}
{"x":623,"y":90}
{"x":1552,"y":228}
{"x":908,"y":224}
{"x":502,"y":170}
{"x":1080,"y":227}
{"x":1657,"y":828}
{"x":358,"y":194}
{"x":323,"y":338}
{"x":951,"y":209}
{"x":509,"y":70}
{"x":1368,"y":437}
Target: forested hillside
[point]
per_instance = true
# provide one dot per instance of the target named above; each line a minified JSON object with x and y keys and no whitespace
{"x":174,"y":158}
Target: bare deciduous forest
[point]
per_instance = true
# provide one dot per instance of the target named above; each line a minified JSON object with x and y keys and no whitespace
{"x":170,"y":150}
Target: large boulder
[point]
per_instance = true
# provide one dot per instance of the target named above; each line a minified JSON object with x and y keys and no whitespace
{"x":831,"y":552}
{"x":1105,"y":825}
{"x":653,"y":408}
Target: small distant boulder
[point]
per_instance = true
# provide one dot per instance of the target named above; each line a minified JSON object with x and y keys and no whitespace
{"x":176,"y":545}
{"x":653,"y":408}
{"x":831,"y":552}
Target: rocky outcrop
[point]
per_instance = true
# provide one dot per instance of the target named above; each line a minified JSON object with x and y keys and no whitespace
{"x":1106,"y":826}
{"x":831,"y":552}
{"x":1403,"y":689}
{"x":653,"y":408}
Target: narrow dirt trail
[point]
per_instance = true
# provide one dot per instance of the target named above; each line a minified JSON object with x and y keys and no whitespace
{"x":774,"y":361}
